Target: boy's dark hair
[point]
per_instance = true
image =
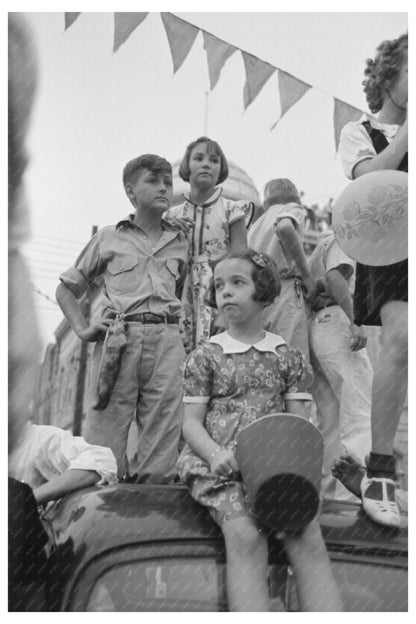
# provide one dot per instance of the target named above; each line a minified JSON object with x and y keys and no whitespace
{"x":212,"y":146}
{"x":265,"y":276}
{"x":383,"y":70}
{"x":152,"y":162}
{"x":280,"y":191}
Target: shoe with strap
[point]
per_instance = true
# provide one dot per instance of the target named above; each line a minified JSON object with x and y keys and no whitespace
{"x":378,"y":499}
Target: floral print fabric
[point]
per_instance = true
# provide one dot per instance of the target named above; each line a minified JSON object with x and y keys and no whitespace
{"x":208,"y":240}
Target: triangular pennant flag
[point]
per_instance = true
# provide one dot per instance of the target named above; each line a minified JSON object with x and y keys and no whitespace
{"x":124,"y":24}
{"x":343,"y":113}
{"x":291,"y":90}
{"x":70,"y":19}
{"x":217,"y":53}
{"x":257,"y":74}
{"x":181,"y":36}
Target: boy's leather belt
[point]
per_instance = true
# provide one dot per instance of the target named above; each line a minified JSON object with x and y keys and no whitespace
{"x":149,"y":317}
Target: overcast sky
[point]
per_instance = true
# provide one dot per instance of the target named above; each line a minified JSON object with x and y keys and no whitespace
{"x":96,"y":109}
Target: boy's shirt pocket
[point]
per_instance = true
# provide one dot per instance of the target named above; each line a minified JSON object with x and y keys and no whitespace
{"x":165,"y":277}
{"x":122,"y":275}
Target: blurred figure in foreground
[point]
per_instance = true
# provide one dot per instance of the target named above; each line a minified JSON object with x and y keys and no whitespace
{"x":27,"y":535}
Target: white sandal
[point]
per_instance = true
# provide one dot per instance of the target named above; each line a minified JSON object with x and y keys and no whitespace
{"x":385,"y":511}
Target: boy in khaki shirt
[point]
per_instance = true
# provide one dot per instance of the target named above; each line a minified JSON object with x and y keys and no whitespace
{"x":142,"y":260}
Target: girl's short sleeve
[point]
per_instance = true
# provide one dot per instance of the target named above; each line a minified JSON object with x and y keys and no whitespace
{"x":236,"y":210}
{"x":355,"y":146}
{"x":197,"y":376}
{"x":336,"y":258}
{"x":299,"y":377}
{"x":295,"y":212}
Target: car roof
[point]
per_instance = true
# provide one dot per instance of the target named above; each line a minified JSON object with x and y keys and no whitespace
{"x":106,"y":517}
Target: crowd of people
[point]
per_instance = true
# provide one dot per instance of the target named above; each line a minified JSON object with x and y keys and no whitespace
{"x":207,"y":327}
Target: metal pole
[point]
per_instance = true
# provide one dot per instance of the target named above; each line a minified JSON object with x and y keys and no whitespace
{"x":206,"y":113}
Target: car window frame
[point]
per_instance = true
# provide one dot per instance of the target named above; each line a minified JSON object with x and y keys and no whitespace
{"x":83,"y":584}
{"x":358,"y":556}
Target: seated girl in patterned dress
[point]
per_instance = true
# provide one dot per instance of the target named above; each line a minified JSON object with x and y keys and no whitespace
{"x":238,"y":376}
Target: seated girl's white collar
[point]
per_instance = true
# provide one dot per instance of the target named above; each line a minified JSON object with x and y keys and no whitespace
{"x":231,"y":345}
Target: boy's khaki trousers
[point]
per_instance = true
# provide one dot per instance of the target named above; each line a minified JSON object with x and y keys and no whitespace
{"x":149,"y":389}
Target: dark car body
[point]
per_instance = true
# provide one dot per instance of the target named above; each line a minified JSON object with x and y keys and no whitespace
{"x":152,"y":548}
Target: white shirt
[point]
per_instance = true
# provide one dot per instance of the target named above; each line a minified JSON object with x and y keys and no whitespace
{"x":356,"y":145}
{"x":263,"y":236}
{"x":45,"y":452}
{"x":328,"y":255}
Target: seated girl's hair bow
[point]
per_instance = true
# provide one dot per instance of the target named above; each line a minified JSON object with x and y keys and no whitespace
{"x":259,"y":260}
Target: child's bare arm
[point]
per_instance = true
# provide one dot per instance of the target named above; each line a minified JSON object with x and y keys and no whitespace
{"x":198,"y":438}
{"x":287,"y":233}
{"x":300,"y":408}
{"x":68,"y":481}
{"x":194,"y":431}
{"x":72,"y":311}
{"x":338,"y":288}
{"x":389,"y":158}
{"x":238,"y":235}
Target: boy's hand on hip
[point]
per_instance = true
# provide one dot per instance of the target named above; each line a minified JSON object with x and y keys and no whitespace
{"x":224,"y":463}
{"x":95,"y":331}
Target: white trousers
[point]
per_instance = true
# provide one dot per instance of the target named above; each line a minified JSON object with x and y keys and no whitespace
{"x":342,"y":393}
{"x":286,"y":316}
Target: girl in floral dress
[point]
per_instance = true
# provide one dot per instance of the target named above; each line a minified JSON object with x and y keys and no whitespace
{"x":230,"y":381}
{"x":217,"y":225}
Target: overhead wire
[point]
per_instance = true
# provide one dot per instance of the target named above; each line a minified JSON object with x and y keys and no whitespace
{"x":44,"y":295}
{"x":59,"y":240}
{"x":48,"y":262}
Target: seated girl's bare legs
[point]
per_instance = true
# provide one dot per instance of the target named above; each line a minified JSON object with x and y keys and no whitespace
{"x":247,"y":555}
{"x":390,"y":377}
{"x":315,"y":582}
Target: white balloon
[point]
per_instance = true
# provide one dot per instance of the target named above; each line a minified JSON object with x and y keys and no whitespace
{"x":370,"y":218}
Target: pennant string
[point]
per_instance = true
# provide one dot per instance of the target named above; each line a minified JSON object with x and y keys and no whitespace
{"x":323,"y":91}
{"x":181,"y":35}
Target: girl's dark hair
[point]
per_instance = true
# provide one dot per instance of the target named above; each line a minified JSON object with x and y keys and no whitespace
{"x":265,"y":276}
{"x":212,"y":146}
{"x":383,"y":70}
